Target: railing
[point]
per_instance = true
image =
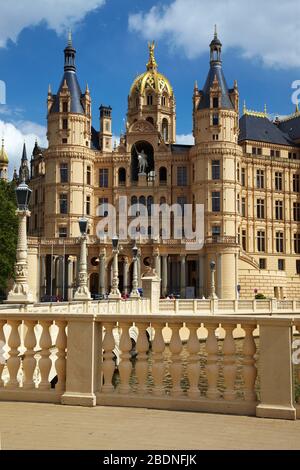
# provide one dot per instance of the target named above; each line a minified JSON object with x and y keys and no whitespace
{"x":78,"y":349}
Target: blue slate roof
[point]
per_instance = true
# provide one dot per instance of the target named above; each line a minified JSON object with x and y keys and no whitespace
{"x":74,"y":89}
{"x":215,"y":71}
{"x":180,"y":148}
{"x":291,"y":127}
{"x":95,"y":139}
{"x":263,"y":130}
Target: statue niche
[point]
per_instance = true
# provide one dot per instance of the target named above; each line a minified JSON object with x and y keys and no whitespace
{"x":142,"y":159}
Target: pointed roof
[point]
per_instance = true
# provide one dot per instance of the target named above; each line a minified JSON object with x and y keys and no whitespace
{"x":24,"y":154}
{"x":3,"y":154}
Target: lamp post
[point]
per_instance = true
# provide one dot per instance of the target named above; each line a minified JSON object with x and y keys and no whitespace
{"x":115,"y":293}
{"x":82,"y":292}
{"x":135,"y":291}
{"x":20,"y":292}
{"x":213,"y":294}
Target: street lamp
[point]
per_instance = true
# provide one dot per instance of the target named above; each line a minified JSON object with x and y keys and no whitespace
{"x":20,"y":292}
{"x":82,"y":292}
{"x":135,"y":291}
{"x":115,"y":293}
{"x":213,"y":294}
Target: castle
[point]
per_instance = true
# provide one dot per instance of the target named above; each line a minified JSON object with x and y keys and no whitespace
{"x":244,"y":170}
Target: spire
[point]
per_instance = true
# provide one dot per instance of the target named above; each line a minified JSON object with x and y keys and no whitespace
{"x":24,"y":154}
{"x":3,"y":154}
{"x":70,"y":53}
{"x":215,"y":49}
{"x":24,"y":168}
{"x":152,"y":64}
{"x":216,"y":33}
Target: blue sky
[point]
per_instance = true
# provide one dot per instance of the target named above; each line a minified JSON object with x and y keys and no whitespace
{"x":260,"y":51}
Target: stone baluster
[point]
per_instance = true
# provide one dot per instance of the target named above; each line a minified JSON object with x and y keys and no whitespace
{"x":141,"y":368}
{"x":125,"y":364}
{"x":60,"y":364}
{"x":176,"y":366}
{"x":229,"y":363}
{"x":29,"y":363}
{"x":158,"y":367}
{"x":45,"y":361}
{"x":212,"y":366}
{"x":13,"y":363}
{"x":193,"y":367}
{"x":2,"y":344}
{"x":108,"y":364}
{"x":249,"y":370}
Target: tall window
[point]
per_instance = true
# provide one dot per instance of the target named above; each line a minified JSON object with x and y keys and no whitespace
{"x":238,"y":172}
{"x":215,"y":169}
{"x":256,"y":151}
{"x":62,"y":232}
{"x":215,"y":102}
{"x":216,"y":231}
{"x":296,"y":211}
{"x":261,"y":241}
{"x":102,"y":207}
{"x":243,"y":207}
{"x":298,"y":266}
{"x":149,"y":100}
{"x":64,"y":176}
{"x":65,"y":124}
{"x":260,"y":208}
{"x":297,"y":242}
{"x":243,"y":177}
{"x":281,"y":265}
{"x":65,"y":107}
{"x":275,"y":153}
{"x":88,"y":175}
{"x":278,"y":210}
{"x":103,"y":177}
{"x":216,"y":201}
{"x":122,"y":176}
{"x":165,"y":129}
{"x":63,"y":203}
{"x":181,"y":176}
{"x":181,"y":201}
{"x":88,"y":205}
{"x":238,"y":204}
{"x":163,"y":175}
{"x":260,"y":179}
{"x":215,"y":119}
{"x":296,"y":183}
{"x":279,"y":242}
{"x":244,"y":240}
{"x":278,"y":181}
{"x":262,"y":263}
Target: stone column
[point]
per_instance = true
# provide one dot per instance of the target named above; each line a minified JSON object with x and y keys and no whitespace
{"x":115,"y":293}
{"x":219,"y":276}
{"x":42,"y":276}
{"x":102,"y":257}
{"x":164,"y":275}
{"x":70,"y":277}
{"x":156,"y":263}
{"x":201,"y":262}
{"x":182,"y":276}
{"x":82,"y":292}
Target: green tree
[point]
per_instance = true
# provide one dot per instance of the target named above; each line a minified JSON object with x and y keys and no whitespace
{"x":8,"y":233}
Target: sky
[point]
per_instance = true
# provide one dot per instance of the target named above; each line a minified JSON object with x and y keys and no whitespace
{"x":261,"y":50}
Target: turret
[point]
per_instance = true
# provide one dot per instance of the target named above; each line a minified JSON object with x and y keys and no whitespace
{"x":3,"y":163}
{"x":105,"y":135}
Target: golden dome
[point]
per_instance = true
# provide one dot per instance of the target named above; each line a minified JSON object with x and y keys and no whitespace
{"x":151,"y":80}
{"x":3,"y":154}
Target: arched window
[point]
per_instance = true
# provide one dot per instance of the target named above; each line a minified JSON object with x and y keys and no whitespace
{"x":162,"y":200}
{"x":149,"y":100}
{"x":122,"y":176}
{"x":164,"y":100}
{"x":133,"y":200}
{"x":150,"y":119}
{"x":149,"y":204}
{"x":142,"y":200}
{"x":165,"y":129}
{"x":163,"y":175}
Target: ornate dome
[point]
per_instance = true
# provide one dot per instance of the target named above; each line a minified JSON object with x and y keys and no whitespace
{"x":151,"y":80}
{"x":3,"y":154}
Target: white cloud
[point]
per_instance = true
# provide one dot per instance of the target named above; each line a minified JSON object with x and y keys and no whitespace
{"x":59,"y":15}
{"x":15,"y":133}
{"x":185,"y":139}
{"x":268,"y":30}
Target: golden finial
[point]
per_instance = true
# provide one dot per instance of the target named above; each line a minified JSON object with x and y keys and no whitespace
{"x":152,"y":64}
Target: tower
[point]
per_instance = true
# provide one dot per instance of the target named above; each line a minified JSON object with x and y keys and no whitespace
{"x":151,"y":98}
{"x":105,"y":135}
{"x":3,"y":163}
{"x":217,"y":161}
{"x":24,"y":174}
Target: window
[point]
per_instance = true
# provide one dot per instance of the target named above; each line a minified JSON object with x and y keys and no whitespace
{"x":262,"y":263}
{"x":243,"y":177}
{"x":215,"y":169}
{"x":165,"y":129}
{"x":181,"y":201}
{"x":216,"y":201}
{"x":298,"y":266}
{"x":107,"y":126}
{"x":256,"y":151}
{"x":238,"y":173}
{"x":62,"y":232}
{"x":64,"y":141}
{"x":102,"y":207}
{"x":260,"y":179}
{"x":149,"y":100}
{"x":88,"y":175}
{"x":275,"y":153}
{"x":181,"y":176}
{"x":215,"y":102}
{"x":260,"y":208}
{"x":238,"y":204}
{"x":103,"y":177}
{"x":216,"y":232}
{"x":65,"y":124}
{"x":243,"y":207}
{"x":296,"y":211}
{"x":296,"y":183}
{"x":63,"y":203}
{"x":293,"y":156}
{"x":122,"y":176}
{"x":163,"y":101}
{"x":64,"y":177}
{"x":88,"y":205}
{"x":278,"y":210}
{"x":215,"y":136}
{"x":162,"y":175}
{"x":278,"y":181}
{"x":279,"y":242}
{"x":261,"y":241}
{"x":281,"y":265}
{"x":297,"y":242}
{"x":150,"y":203}
{"x":215,"y":119}
{"x":65,"y":107}
{"x":244,"y":240}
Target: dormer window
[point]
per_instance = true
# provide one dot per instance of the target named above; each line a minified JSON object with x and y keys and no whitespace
{"x":215,"y":102}
{"x":149,"y":100}
{"x":65,"y":107}
{"x":215,"y":120}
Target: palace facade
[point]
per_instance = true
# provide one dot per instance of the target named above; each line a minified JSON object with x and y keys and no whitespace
{"x":244,"y":170}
